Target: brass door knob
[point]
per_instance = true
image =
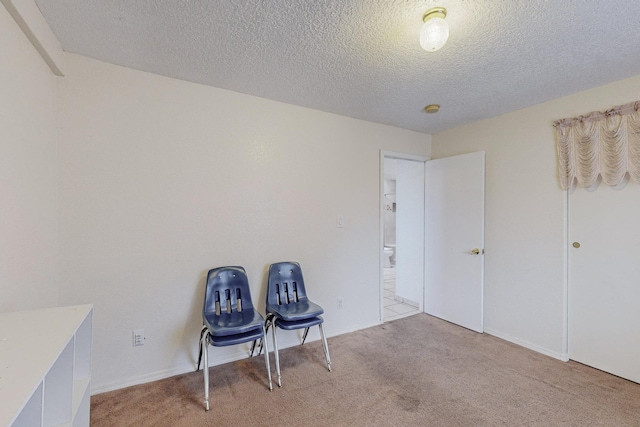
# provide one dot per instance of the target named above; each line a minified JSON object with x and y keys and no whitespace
{"x":576,"y":245}
{"x":475,"y":251}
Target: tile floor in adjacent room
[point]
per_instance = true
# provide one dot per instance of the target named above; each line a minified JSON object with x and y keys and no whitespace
{"x":394,"y":308}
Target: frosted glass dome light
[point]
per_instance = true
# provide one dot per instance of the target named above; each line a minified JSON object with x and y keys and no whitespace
{"x":435,"y":30}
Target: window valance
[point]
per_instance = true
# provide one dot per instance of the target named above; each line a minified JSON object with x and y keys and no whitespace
{"x":605,"y":144}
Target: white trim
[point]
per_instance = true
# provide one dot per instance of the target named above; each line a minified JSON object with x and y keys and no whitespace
{"x":565,"y":275}
{"x":184,"y":369}
{"x":37,"y":30}
{"x":560,"y":356}
{"x":403,"y":156}
{"x":484,"y":229}
{"x":389,"y":155}
{"x":381,"y":239}
{"x":143,"y":379}
{"x":167,"y":373}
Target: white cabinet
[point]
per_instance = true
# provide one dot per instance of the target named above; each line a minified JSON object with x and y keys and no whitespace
{"x":45,"y":367}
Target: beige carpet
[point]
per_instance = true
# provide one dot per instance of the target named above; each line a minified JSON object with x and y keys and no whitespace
{"x":416,"y":371}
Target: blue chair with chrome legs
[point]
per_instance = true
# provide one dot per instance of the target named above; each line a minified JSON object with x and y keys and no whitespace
{"x":229,"y":317}
{"x":289,"y":308}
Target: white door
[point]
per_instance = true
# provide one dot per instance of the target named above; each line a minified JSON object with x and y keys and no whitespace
{"x":454,"y":234}
{"x":604,"y":279}
{"x":410,"y":230}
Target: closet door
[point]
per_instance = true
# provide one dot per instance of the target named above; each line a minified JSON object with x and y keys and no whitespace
{"x":604,"y":279}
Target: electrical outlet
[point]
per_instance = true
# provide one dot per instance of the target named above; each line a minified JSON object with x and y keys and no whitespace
{"x":339,"y":304}
{"x":138,"y":337}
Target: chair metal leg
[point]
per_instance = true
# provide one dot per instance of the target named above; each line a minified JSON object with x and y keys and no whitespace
{"x":204,"y":343}
{"x":266,"y":330}
{"x":261,"y":346}
{"x":253,"y":347}
{"x":267,"y":324}
{"x":275,"y":352}
{"x":325,"y":347}
{"x":304,"y":335}
{"x":202,"y":332}
{"x":266,"y":358}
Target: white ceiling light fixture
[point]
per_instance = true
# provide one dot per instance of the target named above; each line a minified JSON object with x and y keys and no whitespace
{"x":435,"y":30}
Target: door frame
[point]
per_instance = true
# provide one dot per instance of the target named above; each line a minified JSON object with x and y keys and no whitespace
{"x":564,"y":355}
{"x":388,"y":155}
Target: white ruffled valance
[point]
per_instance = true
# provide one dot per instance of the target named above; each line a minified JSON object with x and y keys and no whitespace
{"x":605,"y":144}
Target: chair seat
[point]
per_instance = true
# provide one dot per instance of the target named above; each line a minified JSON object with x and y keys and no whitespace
{"x":238,"y":322}
{"x":296,"y":311}
{"x":298,"y":324}
{"x":221,"y":341}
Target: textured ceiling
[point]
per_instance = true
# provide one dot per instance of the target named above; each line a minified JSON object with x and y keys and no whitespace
{"x":361,"y":58}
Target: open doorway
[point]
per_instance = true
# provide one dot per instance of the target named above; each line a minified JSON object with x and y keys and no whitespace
{"x":439,"y":253}
{"x":402,"y":232}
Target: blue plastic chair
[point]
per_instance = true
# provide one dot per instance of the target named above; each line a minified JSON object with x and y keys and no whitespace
{"x":229,"y":317}
{"x":289,"y":308}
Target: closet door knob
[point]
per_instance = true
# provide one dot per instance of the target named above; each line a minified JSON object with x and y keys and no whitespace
{"x":475,"y":251}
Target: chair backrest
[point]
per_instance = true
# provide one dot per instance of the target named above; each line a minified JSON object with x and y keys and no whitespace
{"x":227,"y":290}
{"x":285,"y":284}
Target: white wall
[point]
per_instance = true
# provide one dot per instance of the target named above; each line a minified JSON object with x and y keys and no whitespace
{"x":28,"y":174}
{"x":524,"y":262}
{"x":162,"y":180}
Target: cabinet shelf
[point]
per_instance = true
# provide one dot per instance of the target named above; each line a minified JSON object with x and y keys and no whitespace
{"x":45,"y":367}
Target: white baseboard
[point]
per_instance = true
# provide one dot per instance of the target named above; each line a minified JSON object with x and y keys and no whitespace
{"x":525,"y":344}
{"x":167,"y":373}
{"x":142,"y":379}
